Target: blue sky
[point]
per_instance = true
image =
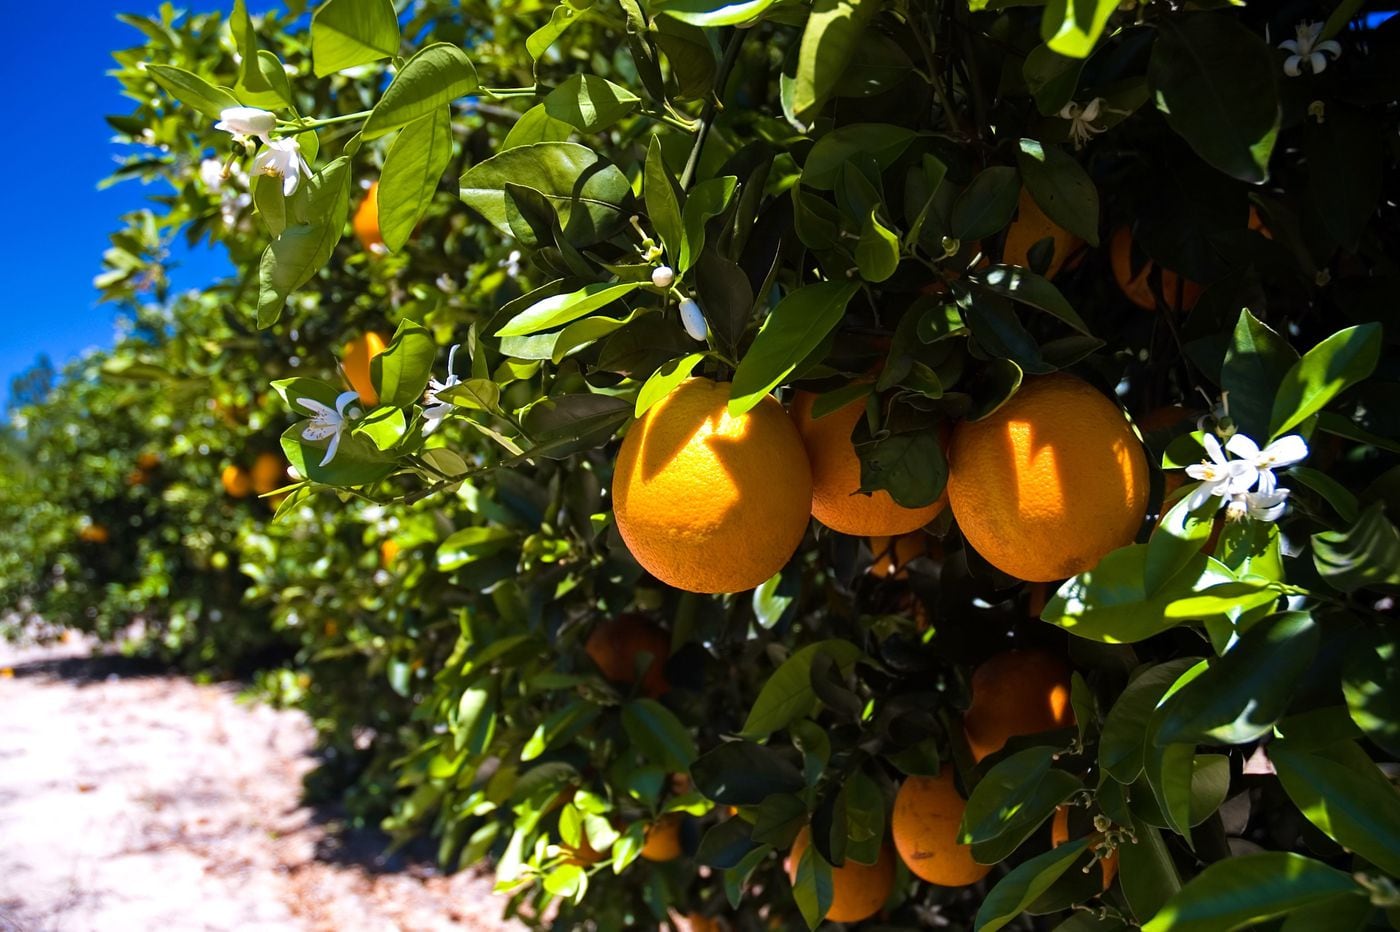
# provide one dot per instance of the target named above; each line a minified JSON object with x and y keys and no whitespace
{"x":57,"y":148}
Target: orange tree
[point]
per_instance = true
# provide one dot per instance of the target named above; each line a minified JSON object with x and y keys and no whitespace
{"x":1111,"y":280}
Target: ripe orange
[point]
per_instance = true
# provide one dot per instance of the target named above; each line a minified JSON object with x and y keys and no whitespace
{"x":1257,"y":224}
{"x":1059,"y":834}
{"x":93,"y":534}
{"x":857,"y":890}
{"x":695,"y":922}
{"x":147,"y":461}
{"x":366,"y":222}
{"x":836,"y":501}
{"x":1050,"y":482}
{"x":616,"y":647}
{"x":707,"y":502}
{"x":1030,"y":227}
{"x":1019,"y":692}
{"x":663,"y":838}
{"x":358,"y":353}
{"x":927,"y":814}
{"x":236,"y":480}
{"x":891,"y":560}
{"x":1136,"y":284}
{"x":387,"y":551}
{"x":269,"y":472}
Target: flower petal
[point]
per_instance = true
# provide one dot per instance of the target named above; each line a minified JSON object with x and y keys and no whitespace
{"x":330,"y":450}
{"x":1290,"y":66}
{"x":1331,"y":47}
{"x":1318,"y":61}
{"x":1289,"y":45}
{"x":1286,"y":451}
{"x":1212,"y":445}
{"x":1242,"y":446}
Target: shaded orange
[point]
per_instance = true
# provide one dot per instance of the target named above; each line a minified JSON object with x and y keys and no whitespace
{"x":269,"y":472}
{"x":1050,"y":482}
{"x":1059,"y":834}
{"x":708,"y":502}
{"x":663,"y":839}
{"x":236,"y":481}
{"x":616,"y":646}
{"x":890,"y":561}
{"x":1030,"y":227}
{"x":366,"y":222}
{"x":1019,"y":692}
{"x":93,"y":534}
{"x":358,"y":353}
{"x":147,"y":461}
{"x":927,"y":816}
{"x":836,"y":498}
{"x":1136,"y":283}
{"x":857,"y":890}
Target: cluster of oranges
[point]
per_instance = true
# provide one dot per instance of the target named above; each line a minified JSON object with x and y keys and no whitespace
{"x":267,"y":473}
{"x":709,"y":502}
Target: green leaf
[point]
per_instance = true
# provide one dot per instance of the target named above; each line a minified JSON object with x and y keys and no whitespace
{"x":1325,"y":371}
{"x":357,"y":461}
{"x":402,"y":371}
{"x":726,"y":844}
{"x":535,"y":125}
{"x":663,"y":202}
{"x":712,"y":12}
{"x":1012,"y":801}
{"x":558,"y":728}
{"x":562,"y":425}
{"x":1052,"y":78}
{"x":664,"y":380}
{"x":346,"y":33}
{"x":882,"y":142}
{"x":658,"y":734}
{"x":253,"y":86}
{"x":1071,"y":27}
{"x":1342,"y":791}
{"x":587,"y":211}
{"x":877,"y":250}
{"x":473,"y":394}
{"x":293,"y":258}
{"x":471,"y":544}
{"x":787,"y":695}
{"x":192,"y":90}
{"x":589,"y":103}
{"x":813,"y":888}
{"x":412,"y":170}
{"x":1061,"y":187}
{"x":1020,"y":888}
{"x":829,"y":40}
{"x":742,"y":773}
{"x":778,"y":820}
{"x":1243,"y":693}
{"x":1367,"y":555}
{"x":539,"y":41}
{"x":1124,"y":737}
{"x":911,"y":466}
{"x":1256,"y":364}
{"x":707,"y":199}
{"x":987,"y":204}
{"x":1213,"y":79}
{"x":1371,"y":684}
{"x":560,"y":309}
{"x":1028,"y":288}
{"x":794,"y":329}
{"x":434,"y":77}
{"x":1147,"y":873}
{"x":1240,"y":891}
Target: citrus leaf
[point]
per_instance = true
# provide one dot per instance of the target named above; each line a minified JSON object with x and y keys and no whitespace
{"x":793,"y":330}
{"x":412,"y":170}
{"x":1325,"y":371}
{"x":434,"y":77}
{"x":346,"y":33}
{"x":1240,"y":891}
{"x":787,"y":695}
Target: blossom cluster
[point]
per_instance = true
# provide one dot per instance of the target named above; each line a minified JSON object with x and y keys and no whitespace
{"x":1246,"y":484}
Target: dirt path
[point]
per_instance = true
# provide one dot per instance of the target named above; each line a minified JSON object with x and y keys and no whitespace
{"x":132,"y":801}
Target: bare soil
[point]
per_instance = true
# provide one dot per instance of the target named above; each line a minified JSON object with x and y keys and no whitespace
{"x":131,"y":799}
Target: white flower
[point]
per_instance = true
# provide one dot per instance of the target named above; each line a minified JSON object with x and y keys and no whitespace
{"x":245,"y":122}
{"x":1266,"y":506}
{"x":1280,"y":454}
{"x":1082,"y":120}
{"x":1306,"y":48}
{"x":511,"y":263}
{"x":328,"y":422}
{"x":662,"y":276}
{"x":211,"y":172}
{"x":282,"y":157}
{"x":692,"y":319}
{"x":433,"y":410}
{"x":1221,"y":476}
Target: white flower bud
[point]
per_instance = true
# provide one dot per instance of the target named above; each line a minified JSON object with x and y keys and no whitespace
{"x":662,"y":276}
{"x":243,"y":122}
{"x":692,"y":319}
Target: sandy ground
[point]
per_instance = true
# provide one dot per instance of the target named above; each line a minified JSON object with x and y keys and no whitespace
{"x":131,"y":800}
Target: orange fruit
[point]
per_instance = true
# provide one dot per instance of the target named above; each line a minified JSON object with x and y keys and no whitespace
{"x":857,"y":890}
{"x":584,"y":854}
{"x":695,"y":922}
{"x":147,"y":461}
{"x":358,"y":353}
{"x":366,"y":222}
{"x":616,"y":646}
{"x":836,"y":501}
{"x":93,"y":534}
{"x":927,"y":814}
{"x":708,"y":502}
{"x":269,"y":472}
{"x":387,"y":551}
{"x":1030,"y":227}
{"x":1019,"y":692}
{"x":663,"y":839}
{"x":1257,"y":224}
{"x":1050,"y":482}
{"x":890,"y":561}
{"x":1059,"y":834}
{"x":1136,"y":284}
{"x":236,"y":480}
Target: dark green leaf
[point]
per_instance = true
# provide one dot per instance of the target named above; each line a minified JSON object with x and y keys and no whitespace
{"x":1124,"y":735}
{"x":787,"y":694}
{"x":1346,"y":795}
{"x":658,"y":734}
{"x":1020,"y":888}
{"x":589,"y":103}
{"x":1012,"y":801}
{"x":1325,"y":371}
{"x":1061,"y":187}
{"x":1241,"y":891}
{"x":662,"y":196}
{"x":881,"y":141}
{"x":566,"y":424}
{"x":1148,"y":874}
{"x":911,"y":466}
{"x":294,"y":257}
{"x":987,"y":204}
{"x":794,"y":329}
{"x":1028,"y":288}
{"x":1364,"y":556}
{"x":829,"y":40}
{"x":1255,"y":366}
{"x":742,"y":773}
